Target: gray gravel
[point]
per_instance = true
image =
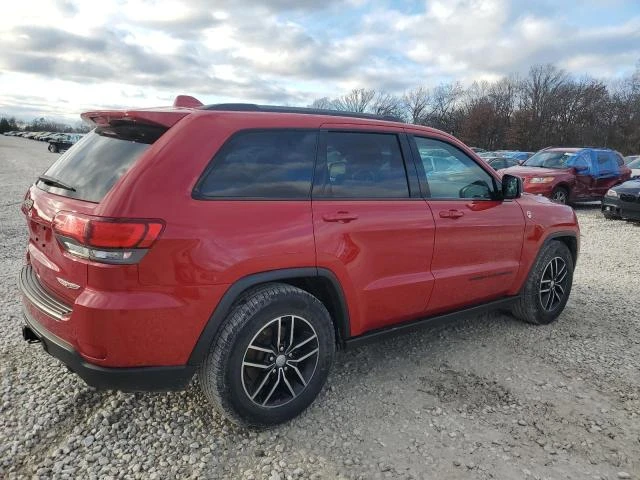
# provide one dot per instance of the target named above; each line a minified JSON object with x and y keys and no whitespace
{"x":487,"y":398}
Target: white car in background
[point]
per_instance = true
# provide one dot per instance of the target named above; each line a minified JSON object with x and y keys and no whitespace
{"x":634,"y":165}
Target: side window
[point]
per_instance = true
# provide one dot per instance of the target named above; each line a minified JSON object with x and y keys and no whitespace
{"x":262,"y":164}
{"x":603,"y":159}
{"x":450,"y":173}
{"x":361,"y":165}
{"x":607,"y":163}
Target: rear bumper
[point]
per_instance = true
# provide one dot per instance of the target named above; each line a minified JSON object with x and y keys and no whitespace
{"x":133,"y":379}
{"x":128,"y":327}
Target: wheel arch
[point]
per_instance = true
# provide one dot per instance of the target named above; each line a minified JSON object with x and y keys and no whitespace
{"x":569,"y":239}
{"x":319,"y":282}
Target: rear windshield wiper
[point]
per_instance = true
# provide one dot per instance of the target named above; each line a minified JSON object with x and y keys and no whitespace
{"x":55,"y":183}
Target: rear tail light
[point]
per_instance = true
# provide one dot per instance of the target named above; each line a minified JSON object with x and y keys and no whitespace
{"x":106,"y":240}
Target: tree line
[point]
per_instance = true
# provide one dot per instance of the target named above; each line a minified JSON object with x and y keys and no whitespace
{"x":544,"y":108}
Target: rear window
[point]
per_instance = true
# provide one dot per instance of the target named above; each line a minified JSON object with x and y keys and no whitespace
{"x":95,"y":163}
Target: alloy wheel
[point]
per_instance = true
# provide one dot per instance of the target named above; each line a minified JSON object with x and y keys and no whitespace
{"x":280,"y":361}
{"x":560,"y":196}
{"x":553,"y":284}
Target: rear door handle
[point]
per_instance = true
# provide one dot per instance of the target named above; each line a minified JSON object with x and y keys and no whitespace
{"x":342,"y":217}
{"x":451,"y":213}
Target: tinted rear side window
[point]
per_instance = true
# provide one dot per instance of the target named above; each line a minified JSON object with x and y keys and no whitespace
{"x":262,"y":164}
{"x":95,"y":163}
{"x":361,"y":165}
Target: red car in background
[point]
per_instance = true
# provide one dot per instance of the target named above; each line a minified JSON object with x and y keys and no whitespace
{"x":567,"y":175}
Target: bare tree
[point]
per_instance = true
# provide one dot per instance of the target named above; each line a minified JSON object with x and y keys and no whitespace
{"x":444,"y":100}
{"x":357,"y":100}
{"x":324,"y":103}
{"x":387,"y":104}
{"x":415,"y":103}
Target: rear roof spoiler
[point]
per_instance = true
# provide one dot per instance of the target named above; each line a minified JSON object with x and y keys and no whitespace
{"x":163,"y":116}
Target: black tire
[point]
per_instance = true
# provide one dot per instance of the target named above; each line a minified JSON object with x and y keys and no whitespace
{"x":53,"y":148}
{"x":611,"y":216}
{"x":226,"y":378}
{"x":533,"y":306}
{"x":560,"y":195}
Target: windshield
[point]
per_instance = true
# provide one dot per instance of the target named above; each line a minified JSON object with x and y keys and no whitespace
{"x":634,"y":164}
{"x":550,"y":160}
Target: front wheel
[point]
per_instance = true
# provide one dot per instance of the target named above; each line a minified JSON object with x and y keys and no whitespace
{"x":53,"y":148}
{"x":548,"y":286}
{"x":560,"y":195}
{"x":271,"y":358}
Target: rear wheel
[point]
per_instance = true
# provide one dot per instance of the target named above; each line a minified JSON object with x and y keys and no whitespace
{"x":271,"y":358}
{"x":548,"y":286}
{"x":560,"y":195}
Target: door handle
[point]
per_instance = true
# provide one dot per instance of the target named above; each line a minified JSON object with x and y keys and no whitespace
{"x":342,"y":217}
{"x":451,"y":213}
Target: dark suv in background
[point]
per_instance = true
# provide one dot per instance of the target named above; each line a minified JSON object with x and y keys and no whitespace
{"x":247,"y":243}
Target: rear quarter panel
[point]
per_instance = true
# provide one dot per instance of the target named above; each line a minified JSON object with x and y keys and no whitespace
{"x":210,"y":241}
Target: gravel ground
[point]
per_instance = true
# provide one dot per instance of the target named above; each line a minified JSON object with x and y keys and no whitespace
{"x":486,"y":398}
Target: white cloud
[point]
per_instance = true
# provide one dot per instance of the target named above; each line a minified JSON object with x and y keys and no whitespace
{"x":91,"y":54}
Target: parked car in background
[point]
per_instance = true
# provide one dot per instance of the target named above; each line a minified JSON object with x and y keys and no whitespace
{"x":63,"y":141}
{"x":47,"y":136}
{"x":289,"y":233}
{"x":567,"y":175}
{"x":634,"y":165}
{"x":630,"y":158}
{"x":498,"y":163}
{"x":623,"y":201}
{"x":519,"y":156}
{"x":477,"y":149}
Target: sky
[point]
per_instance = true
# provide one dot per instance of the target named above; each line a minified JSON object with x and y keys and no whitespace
{"x":59,"y":58}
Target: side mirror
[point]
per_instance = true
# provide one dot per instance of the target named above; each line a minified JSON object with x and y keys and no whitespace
{"x":581,"y":168}
{"x":511,"y":187}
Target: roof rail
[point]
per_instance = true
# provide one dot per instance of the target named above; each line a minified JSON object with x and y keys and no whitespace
{"x":252,"y":107}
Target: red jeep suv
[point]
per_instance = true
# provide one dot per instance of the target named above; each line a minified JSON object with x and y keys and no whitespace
{"x":246,"y":243}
